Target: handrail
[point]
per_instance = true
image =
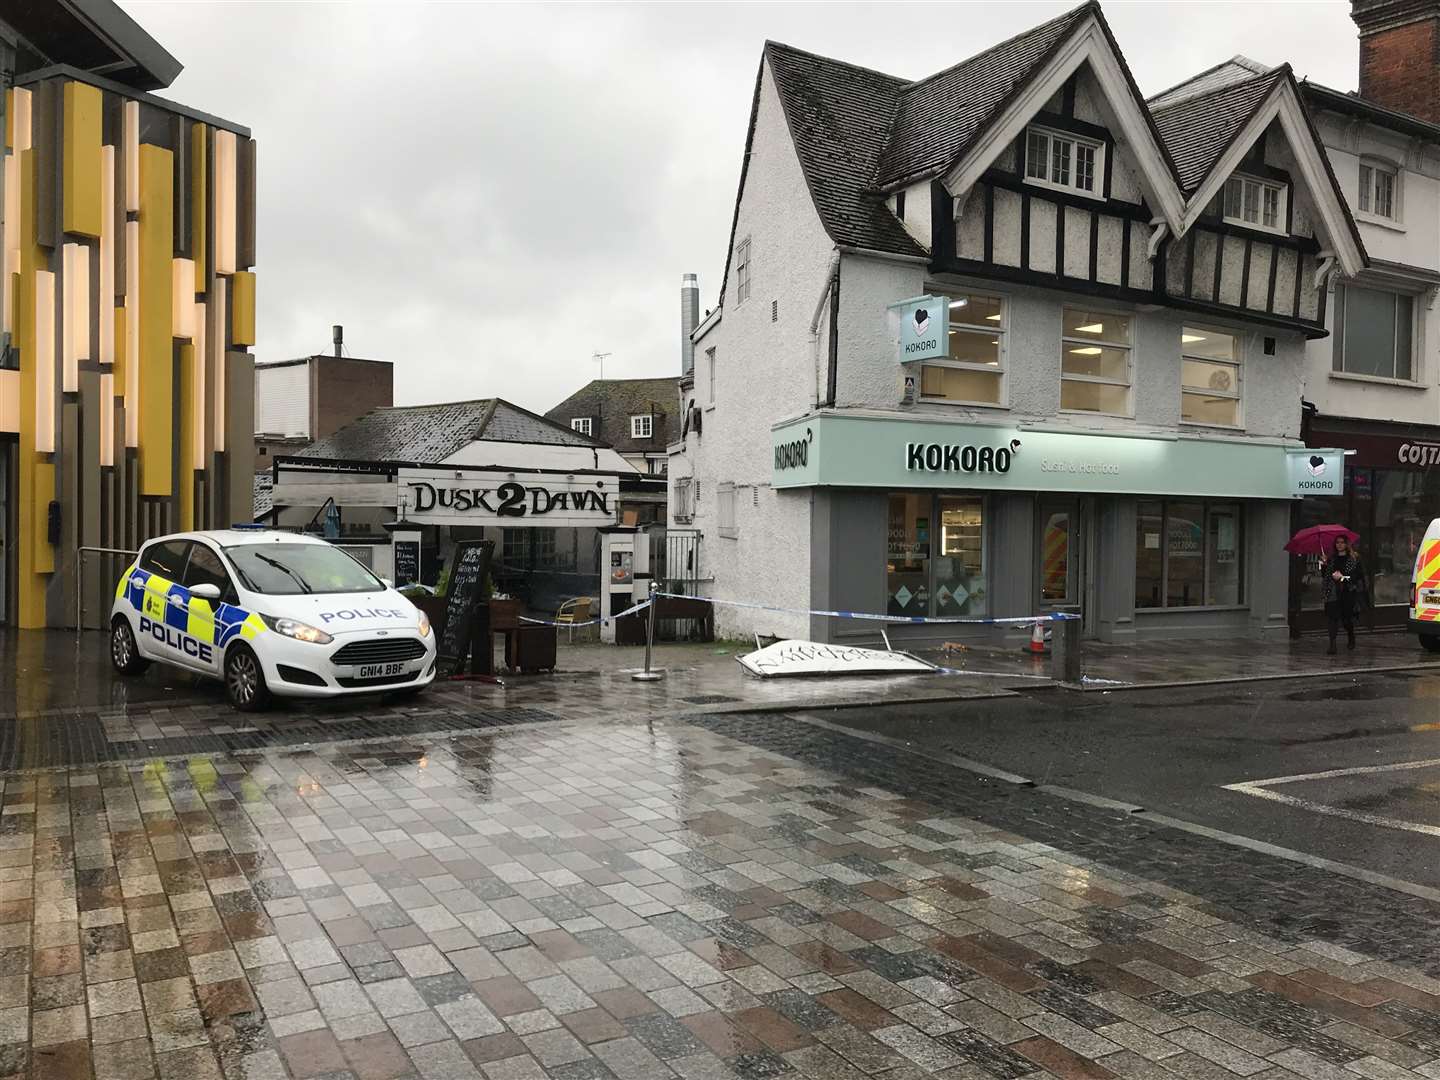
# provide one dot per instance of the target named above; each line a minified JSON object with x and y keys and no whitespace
{"x":80,"y":553}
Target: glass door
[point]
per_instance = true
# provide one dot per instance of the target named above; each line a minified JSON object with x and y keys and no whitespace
{"x":1061,"y":554}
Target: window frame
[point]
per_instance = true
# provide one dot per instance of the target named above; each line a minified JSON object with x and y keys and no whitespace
{"x":1128,"y":346}
{"x":1238,"y":363}
{"x":1417,"y":327}
{"x":583,"y":425}
{"x":1051,"y":136}
{"x":228,"y":595}
{"x":1000,"y":369}
{"x":1282,"y":203}
{"x":710,"y":361}
{"x":726,"y":509}
{"x":684,"y":503}
{"x":1240,"y":553}
{"x":645,"y":421}
{"x":1365,"y":184}
{"x":149,"y":550}
{"x":742,"y":271}
{"x":934,"y":517}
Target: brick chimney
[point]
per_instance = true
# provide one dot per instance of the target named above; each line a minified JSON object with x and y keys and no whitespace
{"x":1400,"y":54}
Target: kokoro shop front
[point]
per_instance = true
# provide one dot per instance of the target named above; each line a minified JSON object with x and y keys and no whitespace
{"x":1166,"y":536}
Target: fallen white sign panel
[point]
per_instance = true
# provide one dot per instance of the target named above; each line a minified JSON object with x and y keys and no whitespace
{"x":813,"y":658}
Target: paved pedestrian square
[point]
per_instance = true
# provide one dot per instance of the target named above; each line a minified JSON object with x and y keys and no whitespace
{"x":729,"y":896}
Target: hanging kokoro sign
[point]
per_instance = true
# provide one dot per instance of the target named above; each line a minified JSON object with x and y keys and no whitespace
{"x":923,"y":328}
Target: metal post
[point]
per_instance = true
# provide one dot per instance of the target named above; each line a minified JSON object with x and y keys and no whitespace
{"x":647,"y":675}
{"x":1065,"y":652}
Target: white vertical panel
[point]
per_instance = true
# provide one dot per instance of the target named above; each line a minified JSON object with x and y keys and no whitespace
{"x":130,"y":132}
{"x":75,"y":308}
{"x":10,"y":248}
{"x":217,"y":345}
{"x":23,"y":104}
{"x":107,"y":419}
{"x":44,"y":362}
{"x":132,"y":333}
{"x":199,"y":402}
{"x":224,"y":181}
{"x":106,"y":351}
{"x":182,"y":303}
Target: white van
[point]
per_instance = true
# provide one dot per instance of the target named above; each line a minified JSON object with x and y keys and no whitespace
{"x":1425,"y":590}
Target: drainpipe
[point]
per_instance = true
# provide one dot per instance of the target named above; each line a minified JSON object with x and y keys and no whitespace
{"x":831,"y":291}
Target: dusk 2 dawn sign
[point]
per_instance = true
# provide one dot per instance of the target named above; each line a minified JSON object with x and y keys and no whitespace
{"x":518,"y":499}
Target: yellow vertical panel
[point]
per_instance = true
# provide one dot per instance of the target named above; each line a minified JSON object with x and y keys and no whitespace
{"x":24,"y":103}
{"x":118,"y":348}
{"x":105,"y":353}
{"x":185,"y":413}
{"x":242,"y":308}
{"x":9,"y":402}
{"x":156,"y":317}
{"x":131,"y":326}
{"x":217,"y":348}
{"x":80,"y":202}
{"x":44,"y":362}
{"x":10,"y":246}
{"x":201,"y":400}
{"x":182,"y":317}
{"x":107,"y":419}
{"x":10,"y":119}
{"x":43,"y":559}
{"x":225,"y":180}
{"x":199,"y":201}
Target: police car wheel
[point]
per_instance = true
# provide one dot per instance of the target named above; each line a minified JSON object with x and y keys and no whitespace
{"x":124,"y":654}
{"x":245,"y":680}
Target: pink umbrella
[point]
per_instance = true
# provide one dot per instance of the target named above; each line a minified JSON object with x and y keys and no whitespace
{"x":1319,"y":539}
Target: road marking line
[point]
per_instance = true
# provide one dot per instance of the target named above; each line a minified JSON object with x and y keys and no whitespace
{"x":1261,"y":790}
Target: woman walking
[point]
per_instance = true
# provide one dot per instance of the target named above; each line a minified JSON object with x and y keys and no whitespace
{"x":1342,"y":580}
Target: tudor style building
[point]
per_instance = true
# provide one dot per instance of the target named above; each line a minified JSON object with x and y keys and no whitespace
{"x":1105,"y":303}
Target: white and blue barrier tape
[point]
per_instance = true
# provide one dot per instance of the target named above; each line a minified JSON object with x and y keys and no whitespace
{"x":588,"y":622}
{"x":1017,"y":620}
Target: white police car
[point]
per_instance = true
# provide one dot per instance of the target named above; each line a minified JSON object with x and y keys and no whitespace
{"x":268,"y":613}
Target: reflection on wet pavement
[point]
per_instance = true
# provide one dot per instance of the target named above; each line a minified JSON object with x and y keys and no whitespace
{"x":629,"y":900}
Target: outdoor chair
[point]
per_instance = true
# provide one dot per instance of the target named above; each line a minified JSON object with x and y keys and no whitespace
{"x":571,"y":612}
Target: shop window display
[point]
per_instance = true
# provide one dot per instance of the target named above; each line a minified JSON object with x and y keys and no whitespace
{"x":1188,"y":554}
{"x":935,"y":556}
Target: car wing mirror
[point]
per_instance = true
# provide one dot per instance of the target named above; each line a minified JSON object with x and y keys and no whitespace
{"x":387,"y":583}
{"x":205,"y":592}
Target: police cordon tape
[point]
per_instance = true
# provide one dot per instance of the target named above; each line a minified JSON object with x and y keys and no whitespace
{"x":1017,"y":620}
{"x":588,"y":622}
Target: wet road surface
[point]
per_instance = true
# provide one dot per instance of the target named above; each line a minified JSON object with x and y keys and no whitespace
{"x":1177,"y":751}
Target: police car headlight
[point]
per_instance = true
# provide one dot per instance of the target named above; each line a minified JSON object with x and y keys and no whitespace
{"x":424,"y":624}
{"x":293,"y":628}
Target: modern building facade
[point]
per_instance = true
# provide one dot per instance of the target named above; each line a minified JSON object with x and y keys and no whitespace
{"x":1038,"y":346}
{"x":299,"y":401}
{"x":1373,"y":385}
{"x":128,"y":306}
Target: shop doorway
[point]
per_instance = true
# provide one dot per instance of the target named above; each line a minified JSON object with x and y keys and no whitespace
{"x":1063,"y":554}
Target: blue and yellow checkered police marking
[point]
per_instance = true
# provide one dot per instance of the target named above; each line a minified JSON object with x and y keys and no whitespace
{"x":150,"y":595}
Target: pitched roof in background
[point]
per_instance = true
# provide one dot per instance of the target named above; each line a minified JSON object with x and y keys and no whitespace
{"x":611,"y":403}
{"x":939,"y":115}
{"x":1236,"y":69}
{"x":1198,"y":129}
{"x":431,"y":433}
{"x":839,"y":117}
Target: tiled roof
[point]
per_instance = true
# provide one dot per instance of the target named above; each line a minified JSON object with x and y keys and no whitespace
{"x":1197,"y":130}
{"x":939,"y":115}
{"x":839,"y":117}
{"x":609,"y":403}
{"x":432,"y":433}
{"x":1236,"y":69}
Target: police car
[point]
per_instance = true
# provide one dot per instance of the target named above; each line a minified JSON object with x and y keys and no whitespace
{"x":268,"y":613}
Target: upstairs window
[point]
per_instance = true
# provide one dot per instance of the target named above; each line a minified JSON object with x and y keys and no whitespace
{"x":1095,"y":362}
{"x":725,"y":511}
{"x":581,"y":424}
{"x":710,"y":367}
{"x":742,"y":271}
{"x":1379,"y":190}
{"x":1209,"y":377}
{"x":682,"y":501}
{"x":974,"y":370}
{"x":642,"y":427}
{"x":1058,"y":160}
{"x":1259,"y":203}
{"x":1374,"y":333}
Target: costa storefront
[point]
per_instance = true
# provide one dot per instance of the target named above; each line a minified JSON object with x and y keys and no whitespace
{"x":1392,"y":492}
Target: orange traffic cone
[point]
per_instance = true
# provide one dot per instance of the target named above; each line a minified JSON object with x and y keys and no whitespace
{"x":1037,"y":646}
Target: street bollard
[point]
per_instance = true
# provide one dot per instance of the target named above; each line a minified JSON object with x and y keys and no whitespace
{"x":647,"y":675}
{"x":1065,"y":651}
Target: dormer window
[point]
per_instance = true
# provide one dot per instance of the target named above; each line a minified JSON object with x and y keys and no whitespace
{"x":1254,"y":202}
{"x":642,"y":426}
{"x":581,"y":424}
{"x":1061,"y":160}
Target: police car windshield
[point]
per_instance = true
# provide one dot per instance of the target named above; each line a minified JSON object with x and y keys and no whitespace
{"x":291,"y":569}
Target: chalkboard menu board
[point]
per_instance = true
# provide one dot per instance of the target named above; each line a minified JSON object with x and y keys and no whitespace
{"x":466,"y":589}
{"x":407,"y":562}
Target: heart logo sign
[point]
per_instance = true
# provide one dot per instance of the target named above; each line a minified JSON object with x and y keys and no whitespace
{"x":922,"y":320}
{"x":1316,"y":465}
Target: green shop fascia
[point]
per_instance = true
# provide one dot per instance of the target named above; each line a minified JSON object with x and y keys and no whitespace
{"x":1180,"y":533}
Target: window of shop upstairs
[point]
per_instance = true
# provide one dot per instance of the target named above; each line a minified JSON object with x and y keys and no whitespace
{"x":973,"y":371}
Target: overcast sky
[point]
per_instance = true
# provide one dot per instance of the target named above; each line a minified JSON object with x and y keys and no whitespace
{"x":487,"y":194}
